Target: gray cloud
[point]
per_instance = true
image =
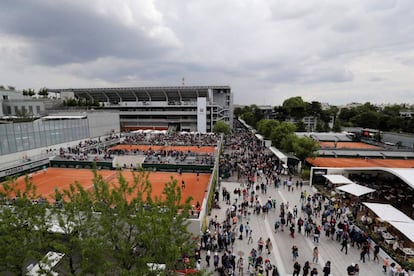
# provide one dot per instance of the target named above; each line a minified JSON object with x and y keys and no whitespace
{"x":336,"y":51}
{"x":63,"y":33}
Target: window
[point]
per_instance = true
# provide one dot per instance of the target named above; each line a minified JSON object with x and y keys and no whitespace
{"x":9,"y":110}
{"x":5,"y":97}
{"x":31,"y":109}
{"x":16,"y":110}
{"x":38,"y":109}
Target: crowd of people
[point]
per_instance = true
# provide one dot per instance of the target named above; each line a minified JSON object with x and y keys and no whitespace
{"x":314,"y":216}
{"x":176,"y":139}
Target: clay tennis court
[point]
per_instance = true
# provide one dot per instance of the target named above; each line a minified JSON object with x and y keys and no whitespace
{"x":359,"y":162}
{"x":59,"y":178}
{"x":347,"y":145}
{"x":196,"y":149}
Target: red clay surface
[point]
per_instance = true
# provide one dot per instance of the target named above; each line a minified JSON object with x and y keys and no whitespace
{"x":359,"y":162}
{"x":347,"y":145}
{"x":196,"y":149}
{"x":60,"y":178}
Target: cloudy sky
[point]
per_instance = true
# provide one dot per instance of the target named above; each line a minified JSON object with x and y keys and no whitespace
{"x":334,"y":52}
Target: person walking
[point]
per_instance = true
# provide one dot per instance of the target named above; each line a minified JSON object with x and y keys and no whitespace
{"x":385,"y":264}
{"x":296,"y":269}
{"x":295,"y":252}
{"x":314,"y":272}
{"x":351,"y":269}
{"x":316,"y":234}
{"x":315,"y":254}
{"x":362,"y":254}
{"x":250,"y":238}
{"x":327,"y":269}
{"x":306,"y":268}
{"x":376,"y":252}
{"x":216,"y":261}
{"x":260,"y":244}
{"x":240,"y":265}
{"x":344,"y":244}
{"x":247,"y":229}
{"x":275,"y":272}
{"x":269,"y":246}
{"x":208,"y":258}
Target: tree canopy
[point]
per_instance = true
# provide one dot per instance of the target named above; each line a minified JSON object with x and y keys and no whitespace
{"x":105,"y":230}
{"x":221,"y":127}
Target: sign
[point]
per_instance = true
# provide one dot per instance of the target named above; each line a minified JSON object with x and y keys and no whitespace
{"x":22,"y":168}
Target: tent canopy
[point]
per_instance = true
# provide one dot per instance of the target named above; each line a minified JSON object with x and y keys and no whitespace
{"x":355,"y":189}
{"x":388,"y":212}
{"x":406,"y":228}
{"x":280,"y":155}
{"x":338,"y":179}
{"x":395,"y":217}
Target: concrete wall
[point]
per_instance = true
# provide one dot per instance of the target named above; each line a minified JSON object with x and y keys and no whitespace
{"x":103,"y":123}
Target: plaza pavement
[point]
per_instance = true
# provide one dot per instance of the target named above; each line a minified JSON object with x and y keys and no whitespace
{"x":263,"y":226}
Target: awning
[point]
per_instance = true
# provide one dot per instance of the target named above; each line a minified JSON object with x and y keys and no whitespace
{"x":338,"y":179}
{"x":280,"y":155}
{"x":396,"y":218}
{"x":388,"y":212}
{"x":355,"y":189}
{"x":406,"y":228}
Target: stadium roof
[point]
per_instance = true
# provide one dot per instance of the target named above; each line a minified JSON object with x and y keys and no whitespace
{"x":142,"y":94}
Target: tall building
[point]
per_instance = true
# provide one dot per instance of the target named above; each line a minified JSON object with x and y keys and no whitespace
{"x":179,"y":108}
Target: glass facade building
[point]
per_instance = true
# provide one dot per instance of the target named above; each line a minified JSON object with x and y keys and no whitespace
{"x":18,"y":137}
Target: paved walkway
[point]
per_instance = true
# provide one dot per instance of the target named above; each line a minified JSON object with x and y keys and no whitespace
{"x":263,"y":226}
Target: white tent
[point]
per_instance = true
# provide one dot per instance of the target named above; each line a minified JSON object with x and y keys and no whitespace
{"x":280,"y":155}
{"x":395,"y":217}
{"x":338,"y":179}
{"x":406,"y":228}
{"x":388,"y":213}
{"x":355,"y":189}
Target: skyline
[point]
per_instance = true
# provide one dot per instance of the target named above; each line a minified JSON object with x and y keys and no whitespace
{"x":266,"y":51}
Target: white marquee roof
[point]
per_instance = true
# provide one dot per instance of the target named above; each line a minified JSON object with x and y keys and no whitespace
{"x":388,"y":212}
{"x":395,"y":217}
{"x":407,"y":175}
{"x":338,"y":179}
{"x":279,"y":154}
{"x":355,"y":189}
{"x":405,"y":228}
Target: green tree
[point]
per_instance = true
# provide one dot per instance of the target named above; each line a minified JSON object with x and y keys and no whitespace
{"x":367,"y":119}
{"x":336,"y":126}
{"x":221,"y":127}
{"x":22,"y":227}
{"x":305,"y":147}
{"x":110,"y":229}
{"x":300,"y":126}
{"x":238,"y":111}
{"x":280,"y":132}
{"x":265,"y":127}
{"x":295,"y":107}
{"x":44,"y":92}
{"x":248,"y":117}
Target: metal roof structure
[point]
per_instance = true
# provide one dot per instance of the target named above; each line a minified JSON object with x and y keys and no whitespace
{"x":326,"y":136}
{"x":143,"y":94}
